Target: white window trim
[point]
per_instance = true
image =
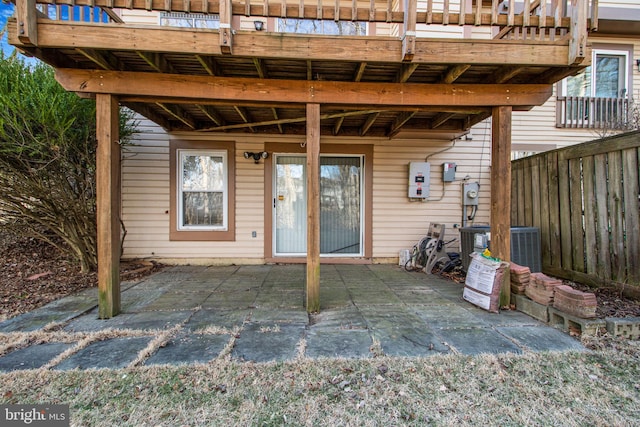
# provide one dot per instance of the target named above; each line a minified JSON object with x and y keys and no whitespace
{"x":181,"y":153}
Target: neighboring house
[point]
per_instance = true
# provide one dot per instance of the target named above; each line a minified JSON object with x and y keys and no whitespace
{"x":235,"y":109}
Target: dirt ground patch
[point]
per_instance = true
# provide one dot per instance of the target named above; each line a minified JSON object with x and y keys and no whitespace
{"x":34,"y":273}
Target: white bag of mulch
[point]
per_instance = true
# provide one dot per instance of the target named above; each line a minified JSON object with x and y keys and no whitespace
{"x":484,"y":281}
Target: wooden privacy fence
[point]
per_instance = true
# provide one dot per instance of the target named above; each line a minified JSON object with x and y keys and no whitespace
{"x":585,"y":200}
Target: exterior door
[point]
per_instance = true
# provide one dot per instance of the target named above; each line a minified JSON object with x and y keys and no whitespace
{"x":340,"y":206}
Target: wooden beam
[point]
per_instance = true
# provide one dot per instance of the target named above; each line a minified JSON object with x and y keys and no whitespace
{"x":500,"y":218}
{"x":179,"y":114}
{"x":406,"y":70}
{"x":400,"y":121}
{"x":300,"y":91}
{"x":209,"y":64}
{"x":212,"y":114}
{"x":262,"y":71}
{"x":27,"y":16}
{"x":440,"y":119}
{"x":108,"y":205}
{"x":337,"y":125}
{"x":361,"y":67}
{"x":149,"y":113}
{"x":54,"y":34}
{"x":368,"y":123}
{"x":100,"y":59}
{"x":505,"y":74}
{"x":453,"y":73}
{"x":313,"y":208}
{"x":245,"y":116}
{"x":288,"y":121}
{"x":157,"y":62}
{"x":275,"y":116}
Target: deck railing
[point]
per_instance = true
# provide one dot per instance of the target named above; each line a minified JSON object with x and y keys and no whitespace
{"x":500,"y":13}
{"x":592,"y":113}
{"x":534,"y":20}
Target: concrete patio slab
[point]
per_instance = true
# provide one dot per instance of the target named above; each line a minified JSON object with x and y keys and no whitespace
{"x":541,"y":338}
{"x":259,"y":310}
{"x":32,"y":357}
{"x":262,"y":343}
{"x":474,"y":341}
{"x":112,"y":353}
{"x":189,"y":348}
{"x":350,"y":344}
{"x":409,"y":342}
{"x":226,"y":319}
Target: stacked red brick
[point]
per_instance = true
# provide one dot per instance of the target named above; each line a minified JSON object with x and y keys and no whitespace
{"x":573,"y":301}
{"x":541,"y":288}
{"x":520,"y":277}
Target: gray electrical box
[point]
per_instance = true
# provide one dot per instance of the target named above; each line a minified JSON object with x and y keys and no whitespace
{"x":449,"y":172}
{"x":419,"y":180}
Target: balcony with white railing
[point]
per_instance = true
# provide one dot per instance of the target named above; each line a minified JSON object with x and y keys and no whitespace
{"x":583,"y":112}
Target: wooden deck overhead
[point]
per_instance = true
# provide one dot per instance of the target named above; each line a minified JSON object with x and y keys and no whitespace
{"x":241,"y":80}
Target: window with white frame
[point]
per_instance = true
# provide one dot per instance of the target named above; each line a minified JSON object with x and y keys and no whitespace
{"x":606,"y":77}
{"x":202,"y":190}
{"x":597,"y":97}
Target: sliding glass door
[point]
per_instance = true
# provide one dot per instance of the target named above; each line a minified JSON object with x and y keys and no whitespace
{"x":340,"y":205}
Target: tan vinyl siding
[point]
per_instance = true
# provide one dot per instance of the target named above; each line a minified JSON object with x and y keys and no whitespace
{"x":397,"y":222}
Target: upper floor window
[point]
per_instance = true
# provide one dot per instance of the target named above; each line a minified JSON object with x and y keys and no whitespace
{"x":190,"y":20}
{"x":598,"y":97}
{"x":326,"y":27}
{"x":606,"y":77}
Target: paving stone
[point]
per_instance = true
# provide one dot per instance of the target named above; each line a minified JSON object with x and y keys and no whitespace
{"x":409,"y":342}
{"x":260,"y":342}
{"x":279,"y":299}
{"x":32,"y":357}
{"x":230,"y":300}
{"x":419,"y":296}
{"x":113,"y":353}
{"x":541,"y":338}
{"x":381,"y":317}
{"x":189,"y":348}
{"x":227,"y":319}
{"x":349,"y":344}
{"x":35,"y":320}
{"x":178,"y":301}
{"x":474,"y":341}
{"x":504,"y":318}
{"x":446,"y":316}
{"x":338,"y":319}
{"x":283,"y":316}
{"x":155,"y":319}
{"x":373,"y":297}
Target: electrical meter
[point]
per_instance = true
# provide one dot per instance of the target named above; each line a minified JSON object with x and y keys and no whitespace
{"x":419,"y":180}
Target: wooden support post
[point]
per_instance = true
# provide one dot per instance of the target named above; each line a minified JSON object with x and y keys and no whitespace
{"x":501,"y":192}
{"x":578,"y":36}
{"x":108,"y":205}
{"x":27,"y":17}
{"x":313,"y":208}
{"x":226,"y":35}
{"x":409,"y":36}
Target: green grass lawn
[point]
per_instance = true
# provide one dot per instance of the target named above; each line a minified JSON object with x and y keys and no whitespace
{"x":598,"y":387}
